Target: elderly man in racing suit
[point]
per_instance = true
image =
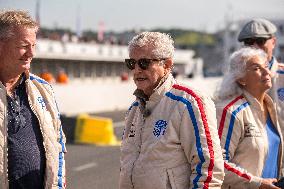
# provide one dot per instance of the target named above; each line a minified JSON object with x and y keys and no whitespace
{"x":170,"y":138}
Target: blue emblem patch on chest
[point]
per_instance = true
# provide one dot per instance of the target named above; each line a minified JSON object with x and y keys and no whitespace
{"x":41,"y":101}
{"x":280,"y":93}
{"x":160,"y":128}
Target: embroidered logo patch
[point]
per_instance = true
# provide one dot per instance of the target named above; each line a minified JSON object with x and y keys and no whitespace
{"x":280,"y":93}
{"x":41,"y":102}
{"x":160,"y":128}
{"x":251,"y":130}
{"x":131,"y":131}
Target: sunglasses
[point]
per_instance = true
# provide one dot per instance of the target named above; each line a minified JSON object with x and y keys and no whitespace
{"x":260,"y":41}
{"x":143,"y":63}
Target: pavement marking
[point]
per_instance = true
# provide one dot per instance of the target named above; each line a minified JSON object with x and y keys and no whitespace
{"x":119,"y":124}
{"x":85,"y":166}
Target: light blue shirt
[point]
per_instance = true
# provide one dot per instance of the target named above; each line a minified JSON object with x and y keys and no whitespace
{"x":270,"y":169}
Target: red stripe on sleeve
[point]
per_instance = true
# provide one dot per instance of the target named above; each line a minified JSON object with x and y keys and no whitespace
{"x":207,"y":132}
{"x":239,"y":173}
{"x":221,"y":127}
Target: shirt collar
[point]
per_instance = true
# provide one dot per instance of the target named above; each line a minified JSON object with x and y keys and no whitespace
{"x":22,"y":80}
{"x":148,"y":103}
{"x":271,"y":62}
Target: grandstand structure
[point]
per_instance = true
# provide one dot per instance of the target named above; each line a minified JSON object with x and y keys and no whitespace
{"x":92,"y":61}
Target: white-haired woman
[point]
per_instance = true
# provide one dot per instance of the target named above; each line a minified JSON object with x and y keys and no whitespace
{"x":248,"y":128}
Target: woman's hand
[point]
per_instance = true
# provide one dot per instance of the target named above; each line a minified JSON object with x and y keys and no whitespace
{"x":268,"y":184}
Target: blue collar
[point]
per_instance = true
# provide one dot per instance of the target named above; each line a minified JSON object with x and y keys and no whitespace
{"x":271,"y":62}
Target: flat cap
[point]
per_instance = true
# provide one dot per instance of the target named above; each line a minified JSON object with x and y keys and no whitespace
{"x":257,"y":28}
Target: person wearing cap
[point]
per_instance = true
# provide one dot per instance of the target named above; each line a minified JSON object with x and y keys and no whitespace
{"x":170,"y":138}
{"x":247,"y":123}
{"x":260,"y":33}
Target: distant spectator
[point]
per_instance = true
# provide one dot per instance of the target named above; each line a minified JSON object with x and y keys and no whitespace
{"x":124,"y":76}
{"x":47,"y":76}
{"x":62,"y":77}
{"x":65,"y":38}
{"x":190,"y":75}
{"x":74,"y":39}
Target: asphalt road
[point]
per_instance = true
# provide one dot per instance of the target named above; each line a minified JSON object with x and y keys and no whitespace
{"x":92,"y":167}
{"x":95,"y":167}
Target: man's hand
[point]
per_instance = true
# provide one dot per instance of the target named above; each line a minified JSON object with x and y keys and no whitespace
{"x":268,"y":184}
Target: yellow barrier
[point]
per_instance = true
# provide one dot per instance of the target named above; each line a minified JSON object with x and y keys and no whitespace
{"x":95,"y":130}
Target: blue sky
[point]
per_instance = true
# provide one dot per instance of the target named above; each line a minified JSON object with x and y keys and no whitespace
{"x":119,"y":15}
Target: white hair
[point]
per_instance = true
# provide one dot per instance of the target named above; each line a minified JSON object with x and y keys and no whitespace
{"x":236,"y":69}
{"x":162,"y":44}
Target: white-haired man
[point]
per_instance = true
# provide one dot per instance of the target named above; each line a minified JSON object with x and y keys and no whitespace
{"x":170,"y":138}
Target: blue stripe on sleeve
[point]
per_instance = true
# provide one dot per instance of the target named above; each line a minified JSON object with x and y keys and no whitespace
{"x":61,"y":160}
{"x":231,"y":127}
{"x":196,"y":132}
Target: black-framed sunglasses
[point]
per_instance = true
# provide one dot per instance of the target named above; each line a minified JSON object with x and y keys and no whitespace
{"x":143,"y":62}
{"x":260,"y":41}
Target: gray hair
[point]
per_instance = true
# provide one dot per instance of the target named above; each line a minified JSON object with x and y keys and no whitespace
{"x":162,"y":44}
{"x":236,"y":69}
{"x":9,"y":20}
